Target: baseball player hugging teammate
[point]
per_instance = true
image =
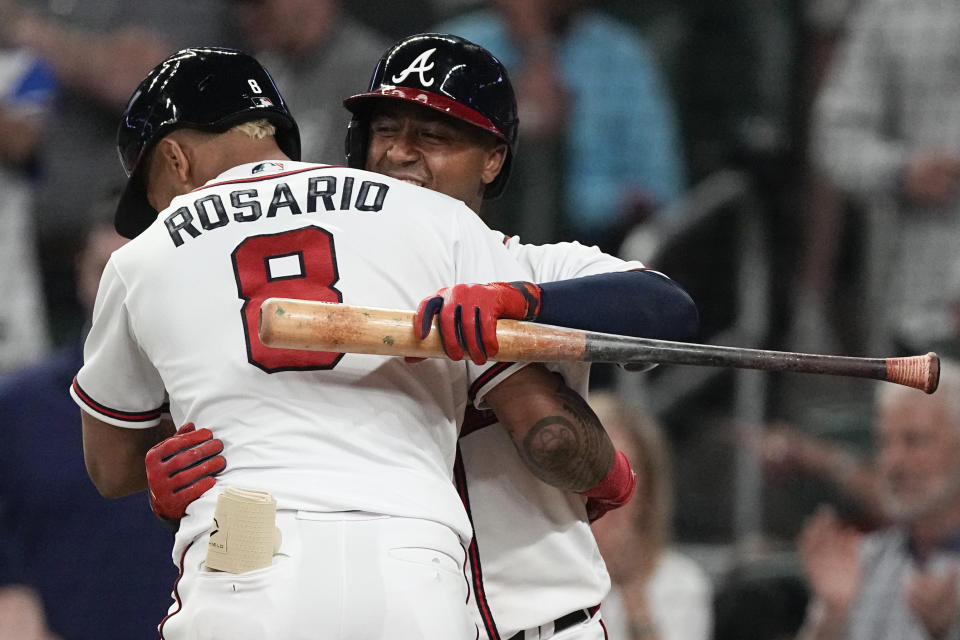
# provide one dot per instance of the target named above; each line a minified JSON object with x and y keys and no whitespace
{"x":350,"y":458}
{"x":440,"y":113}
{"x":535,"y":568}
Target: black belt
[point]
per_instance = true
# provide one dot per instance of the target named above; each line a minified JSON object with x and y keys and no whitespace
{"x":564,"y":622}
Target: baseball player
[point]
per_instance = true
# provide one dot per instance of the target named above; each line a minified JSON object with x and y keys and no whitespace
{"x":351,"y":455}
{"x":441,"y":113}
{"x":433,"y":101}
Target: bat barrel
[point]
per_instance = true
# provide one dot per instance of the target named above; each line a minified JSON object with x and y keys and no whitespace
{"x":322,"y":326}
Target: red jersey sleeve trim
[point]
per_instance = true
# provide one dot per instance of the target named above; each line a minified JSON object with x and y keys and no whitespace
{"x":128,"y":416}
{"x":485,"y":377}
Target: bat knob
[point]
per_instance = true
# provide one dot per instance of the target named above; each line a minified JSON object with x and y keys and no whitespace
{"x":919,"y":372}
{"x":933,"y":372}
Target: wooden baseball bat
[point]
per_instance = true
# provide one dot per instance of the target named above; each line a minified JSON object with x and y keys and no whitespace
{"x":323,"y":326}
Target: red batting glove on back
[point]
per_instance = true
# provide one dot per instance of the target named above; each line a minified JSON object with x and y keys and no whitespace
{"x":181,"y":468}
{"x":467,"y":315}
{"x":614,"y":491}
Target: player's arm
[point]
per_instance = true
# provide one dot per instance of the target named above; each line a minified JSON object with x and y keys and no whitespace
{"x":641,"y":303}
{"x":120,"y":393}
{"x":114,"y":455}
{"x":560,"y":438}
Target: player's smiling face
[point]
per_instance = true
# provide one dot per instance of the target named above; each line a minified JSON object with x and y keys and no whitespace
{"x":427,"y":148}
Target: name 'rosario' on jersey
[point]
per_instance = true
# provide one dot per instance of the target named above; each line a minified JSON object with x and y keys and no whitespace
{"x":210,"y":211}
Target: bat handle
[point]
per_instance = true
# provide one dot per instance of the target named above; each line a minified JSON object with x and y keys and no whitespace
{"x":919,"y":372}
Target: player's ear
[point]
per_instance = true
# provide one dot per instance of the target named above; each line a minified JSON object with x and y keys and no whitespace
{"x":172,"y":158}
{"x":167,"y":172}
{"x":493,"y":162}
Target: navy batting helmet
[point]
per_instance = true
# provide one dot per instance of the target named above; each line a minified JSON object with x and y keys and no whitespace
{"x":211,"y":89}
{"x":446,"y":73}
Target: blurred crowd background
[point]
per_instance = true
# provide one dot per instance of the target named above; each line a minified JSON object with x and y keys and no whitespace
{"x":793,"y":164}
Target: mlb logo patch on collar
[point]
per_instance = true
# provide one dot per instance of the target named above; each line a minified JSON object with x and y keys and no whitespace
{"x":267,"y":167}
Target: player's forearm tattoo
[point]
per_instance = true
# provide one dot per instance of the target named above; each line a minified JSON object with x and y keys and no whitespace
{"x":570,"y":451}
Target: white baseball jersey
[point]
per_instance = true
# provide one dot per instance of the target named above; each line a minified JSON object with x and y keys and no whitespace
{"x":534,"y":557}
{"x":176,"y":322}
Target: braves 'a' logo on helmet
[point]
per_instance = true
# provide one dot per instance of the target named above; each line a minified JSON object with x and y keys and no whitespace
{"x":419,"y":66}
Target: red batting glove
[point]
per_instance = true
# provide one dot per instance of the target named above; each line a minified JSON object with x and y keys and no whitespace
{"x":614,"y":491}
{"x":467,"y":315}
{"x":181,"y":468}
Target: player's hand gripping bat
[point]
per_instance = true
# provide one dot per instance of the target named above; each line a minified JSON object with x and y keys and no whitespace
{"x":322,"y":326}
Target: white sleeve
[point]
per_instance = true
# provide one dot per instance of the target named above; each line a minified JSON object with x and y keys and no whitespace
{"x":117,"y":383}
{"x":565,"y":260}
{"x":480,"y":254}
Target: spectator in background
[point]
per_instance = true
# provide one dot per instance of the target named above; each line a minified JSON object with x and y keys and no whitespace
{"x":658,"y":593}
{"x":317,"y":54}
{"x":588,"y":83}
{"x":784,"y":450}
{"x":887,"y":131}
{"x":99,"y":52}
{"x":26,"y":90}
{"x":901,"y":582}
{"x":101,"y":568}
